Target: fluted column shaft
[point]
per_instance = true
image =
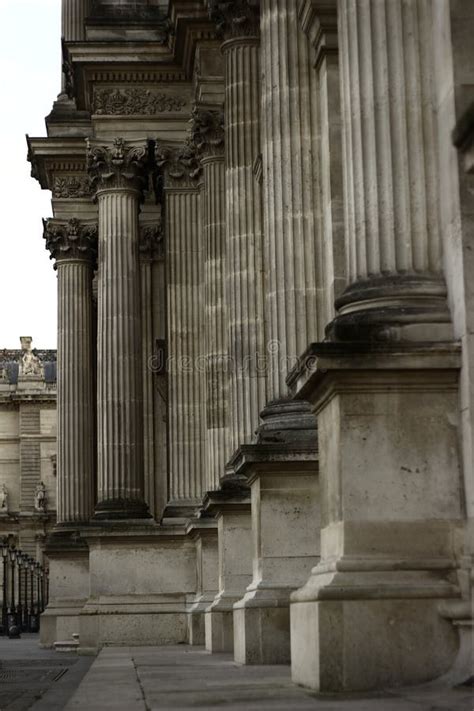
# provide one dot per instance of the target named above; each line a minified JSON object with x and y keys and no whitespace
{"x":186,"y":330}
{"x":290,"y":231}
{"x":119,"y":387}
{"x":245,"y":270}
{"x":118,"y":172}
{"x":393,"y":239}
{"x":75,"y":459}
{"x":73,"y":245}
{"x":73,"y":14}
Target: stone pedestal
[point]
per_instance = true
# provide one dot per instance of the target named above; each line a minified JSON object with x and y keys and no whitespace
{"x":68,"y":588}
{"x":231,"y":507}
{"x":368,"y":616}
{"x":203,"y":532}
{"x":140,"y":580}
{"x":282,"y":471}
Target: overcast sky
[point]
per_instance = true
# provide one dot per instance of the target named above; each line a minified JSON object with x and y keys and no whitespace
{"x":29,"y":81}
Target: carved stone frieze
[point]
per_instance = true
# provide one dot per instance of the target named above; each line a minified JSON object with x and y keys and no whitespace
{"x":235,"y":18}
{"x":180,"y":165}
{"x":119,"y":164}
{"x":71,"y":239}
{"x":137,"y":101}
{"x":207,"y":131}
{"x":151,"y":243}
{"x":71,"y":186}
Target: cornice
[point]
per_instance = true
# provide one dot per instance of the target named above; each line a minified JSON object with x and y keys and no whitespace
{"x":52,"y":158}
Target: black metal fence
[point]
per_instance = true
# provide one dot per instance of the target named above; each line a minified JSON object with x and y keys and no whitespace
{"x":25,"y":589}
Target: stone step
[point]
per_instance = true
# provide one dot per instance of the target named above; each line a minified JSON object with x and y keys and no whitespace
{"x":69,"y":645}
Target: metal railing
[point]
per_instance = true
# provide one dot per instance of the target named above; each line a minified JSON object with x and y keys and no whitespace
{"x":25,"y":590}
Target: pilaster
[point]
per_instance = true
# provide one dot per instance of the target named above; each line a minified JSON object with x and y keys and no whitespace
{"x":208,"y":137}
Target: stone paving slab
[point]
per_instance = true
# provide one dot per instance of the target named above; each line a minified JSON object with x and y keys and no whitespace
{"x":35,"y":678}
{"x":189,"y":678}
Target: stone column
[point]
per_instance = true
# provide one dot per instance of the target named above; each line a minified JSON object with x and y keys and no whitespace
{"x":288,"y":187}
{"x":73,"y":245}
{"x":208,"y":136}
{"x":117,"y":171}
{"x":181,"y":171}
{"x":245,"y":271}
{"x":385,"y":384}
{"x":396,"y":288}
{"x":73,"y":15}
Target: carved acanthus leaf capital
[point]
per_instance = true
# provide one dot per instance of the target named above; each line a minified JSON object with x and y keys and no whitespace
{"x":235,"y":18}
{"x":120,"y":164}
{"x":151,"y":243}
{"x":71,"y":239}
{"x":180,"y":166}
{"x":207,"y":132}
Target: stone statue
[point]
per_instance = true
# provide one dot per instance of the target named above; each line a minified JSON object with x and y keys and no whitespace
{"x":3,"y":499}
{"x":40,"y":498}
{"x":30,"y":365}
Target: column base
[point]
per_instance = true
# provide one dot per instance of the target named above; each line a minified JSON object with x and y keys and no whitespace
{"x":121,"y":509}
{"x":196,"y":620}
{"x":262,"y":627}
{"x":141,"y":578}
{"x":359,"y":645}
{"x":68,"y":557}
{"x":219,"y":624}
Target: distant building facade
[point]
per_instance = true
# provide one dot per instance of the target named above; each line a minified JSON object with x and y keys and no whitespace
{"x":27,"y":446}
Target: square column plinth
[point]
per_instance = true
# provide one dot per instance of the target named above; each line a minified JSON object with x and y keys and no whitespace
{"x":68,"y":557}
{"x":141,"y":577}
{"x":369,"y":615}
{"x":285,"y":530}
{"x":203,"y":531}
{"x":232,"y":511}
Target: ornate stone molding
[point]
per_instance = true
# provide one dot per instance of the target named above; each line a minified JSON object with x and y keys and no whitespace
{"x":137,"y":101}
{"x":235,"y":18}
{"x":152,"y":243}
{"x":71,"y":186}
{"x":180,"y":165}
{"x":318,"y":19}
{"x":120,"y":164}
{"x":207,"y":132}
{"x":71,"y":239}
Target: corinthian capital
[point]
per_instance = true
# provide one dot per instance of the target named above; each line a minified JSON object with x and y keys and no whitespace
{"x":71,"y":239}
{"x":180,"y":165}
{"x":119,"y":164}
{"x":207,"y":132}
{"x":235,"y":18}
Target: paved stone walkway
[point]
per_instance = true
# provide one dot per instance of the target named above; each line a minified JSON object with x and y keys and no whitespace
{"x":181,"y":677}
{"x":35,"y":678}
